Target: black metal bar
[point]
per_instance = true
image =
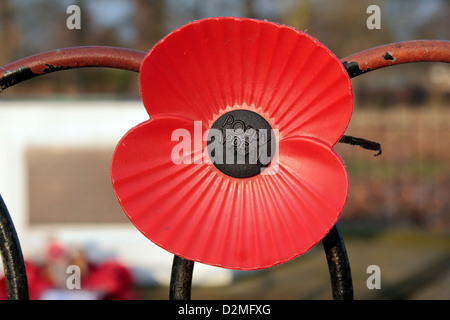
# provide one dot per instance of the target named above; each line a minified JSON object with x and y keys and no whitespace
{"x":12,"y":258}
{"x":181,"y":279}
{"x":363,"y":143}
{"x":338,"y":265}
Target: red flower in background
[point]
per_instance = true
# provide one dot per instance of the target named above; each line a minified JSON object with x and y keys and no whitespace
{"x":250,"y":77}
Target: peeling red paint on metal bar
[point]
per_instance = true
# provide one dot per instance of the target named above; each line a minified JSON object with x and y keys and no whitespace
{"x":397,"y":53}
{"x":69,"y":58}
{"x":127,"y":59}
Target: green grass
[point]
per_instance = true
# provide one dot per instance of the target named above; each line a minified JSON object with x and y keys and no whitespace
{"x":415,"y":169}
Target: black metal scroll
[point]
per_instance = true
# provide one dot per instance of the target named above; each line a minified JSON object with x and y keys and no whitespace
{"x":12,"y":258}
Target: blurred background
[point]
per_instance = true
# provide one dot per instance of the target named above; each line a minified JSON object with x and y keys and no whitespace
{"x":58,"y":132}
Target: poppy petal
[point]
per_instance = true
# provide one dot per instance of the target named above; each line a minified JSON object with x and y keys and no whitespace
{"x":150,"y":166}
{"x":287,"y":212}
{"x":194,"y":211}
{"x":319,"y":174}
{"x":213,"y":64}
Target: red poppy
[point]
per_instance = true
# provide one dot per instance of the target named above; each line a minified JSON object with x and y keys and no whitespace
{"x":246,"y":76}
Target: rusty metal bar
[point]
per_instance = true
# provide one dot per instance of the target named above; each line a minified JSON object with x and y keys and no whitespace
{"x":363,"y":143}
{"x":127,"y":59}
{"x":12,"y":258}
{"x":181,"y":279}
{"x":397,"y":53}
{"x":338,"y":265}
{"x":69,"y":58}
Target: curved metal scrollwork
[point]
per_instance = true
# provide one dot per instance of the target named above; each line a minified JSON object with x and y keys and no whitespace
{"x":130,"y":60}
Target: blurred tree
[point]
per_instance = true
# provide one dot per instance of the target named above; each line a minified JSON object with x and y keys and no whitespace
{"x":29,"y":27}
{"x":10,"y":38}
{"x":298,"y":15}
{"x":150,"y":22}
{"x":339,"y":24}
{"x":249,"y":9}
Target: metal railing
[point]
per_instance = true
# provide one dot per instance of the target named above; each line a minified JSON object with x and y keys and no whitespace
{"x":130,"y":60}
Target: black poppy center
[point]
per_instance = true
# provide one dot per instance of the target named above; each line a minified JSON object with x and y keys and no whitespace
{"x":241,"y":143}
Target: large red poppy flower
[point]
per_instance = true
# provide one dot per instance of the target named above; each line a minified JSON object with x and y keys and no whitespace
{"x":250,"y":77}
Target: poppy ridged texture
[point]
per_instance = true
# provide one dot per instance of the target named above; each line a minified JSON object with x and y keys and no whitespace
{"x":235,"y":166}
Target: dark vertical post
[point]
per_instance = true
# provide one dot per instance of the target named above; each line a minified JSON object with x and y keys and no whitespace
{"x":181,"y":279}
{"x":12,"y":258}
{"x":338,"y":265}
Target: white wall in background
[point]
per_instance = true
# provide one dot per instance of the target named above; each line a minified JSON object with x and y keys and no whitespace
{"x":79,"y":123}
